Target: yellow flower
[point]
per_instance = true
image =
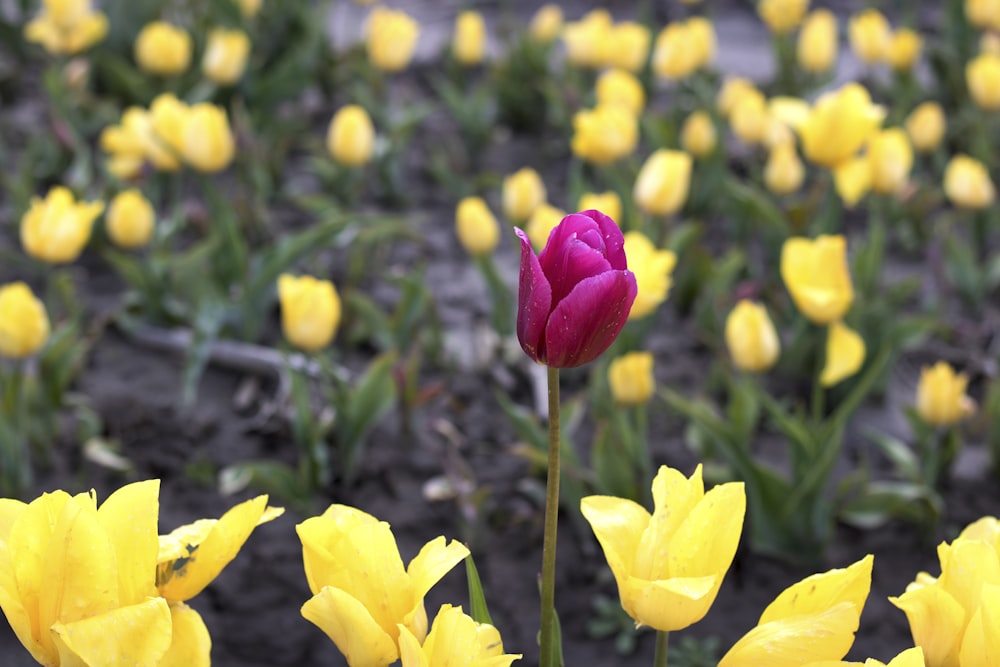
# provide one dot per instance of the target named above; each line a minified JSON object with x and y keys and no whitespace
{"x":911,"y":657}
{"x":698,"y":135}
{"x":967,"y":183}
{"x":249,"y":8}
{"x":391,"y":38}
{"x":698,"y":530}
{"x":627,"y":46}
{"x":608,"y":203}
{"x":546,"y":23}
{"x":477,"y":229}
{"x":663,"y":182}
{"x":631,"y":378}
{"x":732,"y":91}
{"x":751,"y":338}
{"x":55,"y":229}
{"x":350,"y":138}
{"x":853,"y":179}
{"x":126,"y":142}
{"x":982,"y":75}
{"x":605,"y":133}
{"x":226,"y":56}
{"x":208,"y":141}
{"x":749,"y":118}
{"x":817,"y":45}
{"x":983,"y":13}
{"x":130,"y":219}
{"x":782,"y":16}
{"x":310,"y":311}
{"x":164,"y":137}
{"x":67,"y":27}
{"x":361,"y":591}
{"x":455,"y":639}
{"x":617,"y":86}
{"x":904,"y":49}
{"x":784,"y":171}
{"x":789,"y":113}
{"x":541,"y":223}
{"x":77,"y":582}
{"x":163,"y":49}
{"x":845,"y":354}
{"x":652,"y":268}
{"x":840,"y":123}
{"x":816,"y":275}
{"x":683,"y":47}
{"x":811,"y":621}
{"x":523,"y":192}
{"x":869,"y":34}
{"x":941,"y":398}
{"x":926,"y":126}
{"x":584,"y":39}
{"x":469,"y":41}
{"x":24,"y":324}
{"x":890,"y":157}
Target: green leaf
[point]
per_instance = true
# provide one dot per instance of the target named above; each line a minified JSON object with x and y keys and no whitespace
{"x":903,"y":459}
{"x":208,"y":320}
{"x":884,"y":501}
{"x":477,"y":599}
{"x":364,"y":405}
{"x":277,"y":479}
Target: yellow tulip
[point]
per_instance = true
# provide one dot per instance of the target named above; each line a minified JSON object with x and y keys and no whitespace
{"x":845,"y":354}
{"x":890,"y":157}
{"x":163,"y":49}
{"x":840,"y":123}
{"x":130,"y":219}
{"x":926,"y":126}
{"x":869,"y":34}
{"x":608,"y":203}
{"x":455,"y":639}
{"x":631,"y":378}
{"x":701,"y":38}
{"x":477,"y":229}
{"x":77,"y":582}
{"x":663,"y":182}
{"x":683,"y":47}
{"x":208,"y":141}
{"x":24,"y":324}
{"x":617,"y":86}
{"x":541,"y":223}
{"x":698,"y":136}
{"x":55,"y":229}
{"x":604,"y":134}
{"x":784,"y":171}
{"x":468,"y":44}
{"x":904,"y":49}
{"x":350,"y":138}
{"x":853,"y":180}
{"x":782,"y":16}
{"x":249,"y":8}
{"x":981,"y":640}
{"x":983,"y":14}
{"x":816,"y":275}
{"x":732,"y":91}
{"x":226,"y":56}
{"x":817,"y":45}
{"x":164,"y":137}
{"x":982,"y":75}
{"x":752,"y":341}
{"x":523,"y":192}
{"x":941,"y":398}
{"x":967,"y":183}
{"x":126,"y":142}
{"x":790,"y":112}
{"x":627,"y":46}
{"x":911,"y":657}
{"x":362,"y":594}
{"x":699,"y":531}
{"x":310,"y":311}
{"x":546,"y":23}
{"x":811,"y":621}
{"x":67,"y":28}
{"x":584,"y":39}
{"x":749,"y":118}
{"x":391,"y":38}
{"x":652,"y":268}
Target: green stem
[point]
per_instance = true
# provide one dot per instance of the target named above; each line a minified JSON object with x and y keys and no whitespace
{"x":551,"y":526}
{"x":660,"y":657}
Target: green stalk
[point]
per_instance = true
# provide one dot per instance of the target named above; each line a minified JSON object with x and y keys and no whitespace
{"x":660,"y":657}
{"x":551,"y":525}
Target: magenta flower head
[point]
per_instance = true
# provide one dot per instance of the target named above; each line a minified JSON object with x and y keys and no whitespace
{"x":575,"y":295}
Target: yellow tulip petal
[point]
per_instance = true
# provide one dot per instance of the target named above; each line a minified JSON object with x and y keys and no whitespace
{"x":129,"y":517}
{"x":845,"y":353}
{"x":936,"y":622}
{"x":319,"y":533}
{"x":981,"y":644}
{"x":912,"y":657}
{"x":124,"y":637}
{"x":190,"y":644}
{"x":13,"y":609}
{"x":671,"y":604}
{"x":818,"y":592}
{"x":674,"y":496}
{"x":618,"y":524}
{"x":411,"y":654}
{"x":435,"y":560}
{"x":710,"y":534}
{"x":10,"y":510}
{"x":853,"y":180}
{"x":347,"y":622}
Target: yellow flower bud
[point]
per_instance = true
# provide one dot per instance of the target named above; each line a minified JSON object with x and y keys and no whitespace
{"x":982,"y":75}
{"x":941,"y":398}
{"x":617,"y":86}
{"x":631,"y":378}
{"x":584,"y":39}
{"x":67,"y":28}
{"x":816,"y":275}
{"x":983,"y":14}
{"x":126,"y":142}
{"x":967,"y":183}
{"x":310,"y":311}
{"x":784,"y":171}
{"x":751,"y":337}
{"x":627,"y":46}
{"x":926,"y":126}
{"x":164,"y":136}
{"x":226,"y":56}
{"x":663,"y":182}
{"x":477,"y":229}
{"x":701,"y":37}
{"x":904,"y":49}
{"x":546,"y":23}
{"x":683,"y":47}
{"x":130,"y":219}
{"x":890,"y":157}
{"x":541,"y":223}
{"x":391,"y":38}
{"x":782,"y":16}
{"x":350,"y":138}
{"x":604,"y":134}
{"x":653,"y":269}
{"x":469,"y":42}
{"x":55,"y":229}
{"x":817,"y":45}
{"x":784,"y":115}
{"x":208,"y":141}
{"x":840,"y":123}
{"x":853,"y":179}
{"x":455,"y":639}
{"x":523,"y":192}
{"x":869,"y":34}
{"x":608,"y":203}
{"x":845,"y":354}
{"x":732,"y":91}
{"x":24,"y":324}
{"x":750,"y":119}
{"x":698,"y":134}
{"x":163,"y":49}
{"x":249,"y":8}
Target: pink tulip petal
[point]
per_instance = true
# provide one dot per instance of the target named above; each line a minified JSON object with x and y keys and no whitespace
{"x":614,"y":241}
{"x":577,"y":262}
{"x":533,"y":302}
{"x":587,"y":321}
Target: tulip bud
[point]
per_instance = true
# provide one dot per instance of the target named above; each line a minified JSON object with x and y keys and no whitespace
{"x":982,"y":75}
{"x":890,"y":158}
{"x":967,"y":183}
{"x":782,"y":16}
{"x":840,"y":123}
{"x":853,"y":180}
{"x":817,"y":45}
{"x":391,"y":38}
{"x":55,"y":229}
{"x":683,"y":47}
{"x":310,"y":311}
{"x":983,"y":14}
{"x":751,"y":338}
{"x":226,"y":56}
{"x":350,"y":138}
{"x":469,"y":42}
{"x":616,"y":86}
{"x":698,"y":134}
{"x":523,"y":192}
{"x":164,"y":133}
{"x":663,"y":182}
{"x":477,"y":229}
{"x":66,"y":28}
{"x":608,"y":203}
{"x":208,"y":141}
{"x":869,"y":34}
{"x":163,"y":49}
{"x":604,"y":134}
{"x":584,"y":39}
{"x":249,"y":8}
{"x":926,"y":126}
{"x":24,"y":324}
{"x":784,"y":171}
{"x":816,"y":275}
{"x":653,"y":269}
{"x":845,"y":354}
{"x":575,"y":296}
{"x":543,"y":220}
{"x":628,"y":46}
{"x":904,"y":49}
{"x":749,"y":118}
{"x":546,"y":23}
{"x":130,"y":219}
{"x":631,"y":378}
{"x":941,"y":398}
{"x":732,"y":91}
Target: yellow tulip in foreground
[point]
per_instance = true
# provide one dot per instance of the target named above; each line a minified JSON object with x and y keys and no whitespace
{"x":310,"y":311}
{"x":652,"y":268}
{"x":967,"y":183}
{"x":55,"y":229}
{"x":226,"y":56}
{"x":841,"y":122}
{"x":698,"y":530}
{"x":811,"y":621}
{"x":391,"y":38}
{"x":631,"y":378}
{"x":663,"y":182}
{"x":911,"y":657}
{"x":130,"y":219}
{"x":752,"y":341}
{"x":845,"y":354}
{"x":941,"y":397}
{"x":350,"y":139}
{"x":608,"y":203}
{"x":455,"y":639}
{"x":926,"y":125}
{"x":605,"y":133}
{"x":817,"y":45}
{"x":523,"y":192}
{"x":163,"y":49}
{"x":24,"y":324}
{"x":67,"y":27}
{"x":208,"y":142}
{"x":816,"y":275}
{"x":469,"y":41}
{"x":476,"y":227}
{"x":362,"y":594}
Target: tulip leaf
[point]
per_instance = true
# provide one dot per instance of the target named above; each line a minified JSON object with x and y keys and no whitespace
{"x":363,"y":406}
{"x":208,"y":320}
{"x":477,"y":599}
{"x":277,"y":479}
{"x":901,"y":456}
{"x":884,"y":501}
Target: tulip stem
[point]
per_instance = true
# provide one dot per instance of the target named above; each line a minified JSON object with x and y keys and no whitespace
{"x":551,"y":525}
{"x":660,"y":656}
